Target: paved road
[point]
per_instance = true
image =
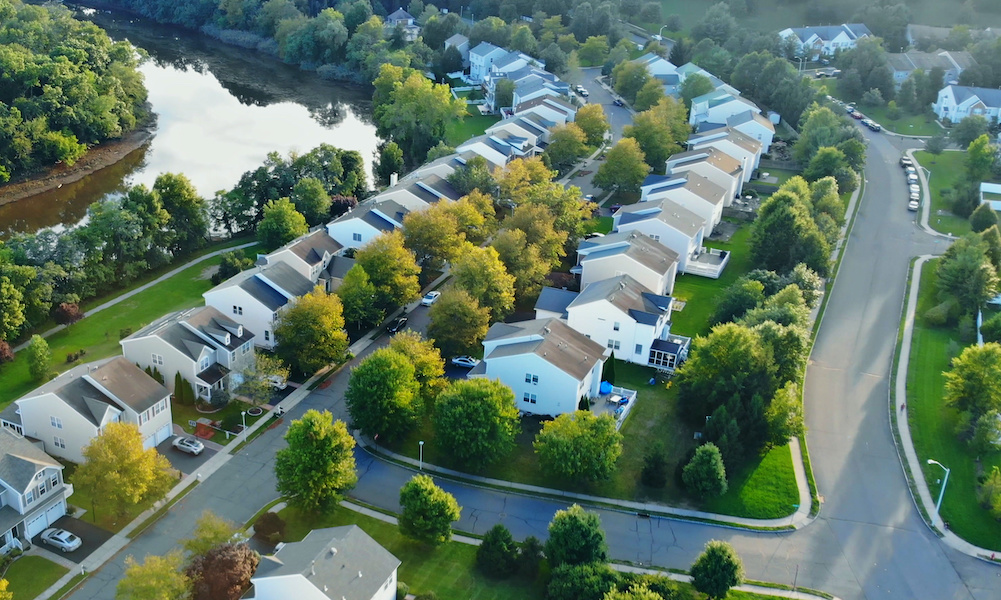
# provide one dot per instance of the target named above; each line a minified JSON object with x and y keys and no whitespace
{"x":869,"y":541}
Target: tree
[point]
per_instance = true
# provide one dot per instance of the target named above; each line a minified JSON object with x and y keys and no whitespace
{"x":983,"y":218}
{"x":609,"y":370}
{"x":649,"y":95}
{"x":474,"y":175}
{"x":591,"y":119}
{"x":970,"y":128}
{"x":497,"y":556}
{"x":211,"y":530}
{"x":576,"y":538}
{"x":660,"y":132}
{"x":986,"y":433}
{"x":579,"y":445}
{"x":310,"y":332}
{"x":391,"y":268}
{"x":695,"y":85}
{"x":476,"y":421}
{"x":358,"y":298}
{"x":450,"y":62}
{"x":318,"y":465}
{"x":705,"y":475}
{"x":966,"y":274}
{"x":504,"y":94}
{"x":11,"y":310}
{"x":417,"y":114}
{"x":429,"y":368}
{"x":427,"y":511}
{"x":654,"y":473}
{"x":458,"y":323}
{"x":981,"y":156}
{"x":231,"y":263}
{"x":740,"y":297}
{"x":433,"y":236}
{"x":383,"y":395}
{"x":624,"y":167}
{"x":39,"y":358}
{"x":594,"y":50}
{"x":990,"y":493}
{"x":873,"y":98}
{"x":717,"y":570}
{"x":785,"y":415}
{"x":517,"y":180}
{"x":522,"y":260}
{"x":824,"y":163}
{"x":281,"y":224}
{"x":530,"y":556}
{"x":785,"y":234}
{"x":6,"y":353}
{"x":937,"y":143}
{"x":157,"y":578}
{"x":480,"y":272}
{"x":717,"y":24}
{"x":270,"y":527}
{"x":118,"y":473}
{"x":629,"y":78}
{"x":566,"y":146}
{"x":637,"y":592}
{"x":259,"y":378}
{"x":223,"y":573}
{"x":970,"y":385}
{"x":586,"y":581}
{"x":188,"y":224}
{"x":992,"y":240}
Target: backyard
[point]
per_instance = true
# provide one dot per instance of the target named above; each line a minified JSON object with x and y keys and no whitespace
{"x":29,"y":576}
{"x":932,"y":425}
{"x":473,"y":125}
{"x":946,"y":170}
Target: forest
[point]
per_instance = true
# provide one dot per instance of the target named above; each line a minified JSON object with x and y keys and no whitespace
{"x":64,"y":85}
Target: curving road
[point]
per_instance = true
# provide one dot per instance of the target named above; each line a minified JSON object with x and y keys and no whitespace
{"x":869,"y":541}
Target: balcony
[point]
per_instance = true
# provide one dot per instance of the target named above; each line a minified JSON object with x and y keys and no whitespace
{"x":708,"y":262}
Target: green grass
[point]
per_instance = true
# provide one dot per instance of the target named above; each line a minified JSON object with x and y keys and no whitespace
{"x":183,"y":413}
{"x":473,"y":125}
{"x":905,"y":124}
{"x":700,"y":293}
{"x":946,"y":171}
{"x":765,"y":488}
{"x":69,"y":587}
{"x":932,"y":425}
{"x":29,"y":576}
{"x":598,"y":225}
{"x":98,"y":334}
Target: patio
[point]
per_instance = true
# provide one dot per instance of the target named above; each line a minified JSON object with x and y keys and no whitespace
{"x":612,"y":404}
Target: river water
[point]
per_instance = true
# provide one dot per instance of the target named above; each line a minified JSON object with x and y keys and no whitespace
{"x":220,"y":111}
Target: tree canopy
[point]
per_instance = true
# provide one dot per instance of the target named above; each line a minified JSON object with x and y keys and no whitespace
{"x":579,"y":445}
{"x":427,"y":511}
{"x":310,"y":332}
{"x":383,"y":395}
{"x":575,"y":537}
{"x":318,"y":465}
{"x":476,"y":421}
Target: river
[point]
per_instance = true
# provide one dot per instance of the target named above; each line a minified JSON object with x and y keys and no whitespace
{"x":220,"y":111}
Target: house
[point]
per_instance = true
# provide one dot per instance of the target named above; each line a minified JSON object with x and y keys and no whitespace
{"x":500,"y":147}
{"x":336,"y":563}
{"x":255,"y":297}
{"x":728,"y":140}
{"x":717,"y":106}
{"x":715,"y":165}
{"x":991,"y":194}
{"x":309,"y":254}
{"x":538,"y":86}
{"x":629,"y":320}
{"x":481,"y":58}
{"x":65,"y":414}
{"x":951,"y":63}
{"x":531,"y":127}
{"x":369,"y":220}
{"x":547,"y":365}
{"x":688,"y":69}
{"x":511,"y":62}
{"x":406,"y":21}
{"x":652,"y":264}
{"x":956,"y":102}
{"x":825,"y":40}
{"x":33,"y":495}
{"x":667,"y":222}
{"x":656,"y":64}
{"x":460,"y":43}
{"x":529,"y":79}
{"x":209,"y":349}
{"x":691,"y":191}
{"x":333,"y":276}
{"x":555,"y":110}
{"x":754,"y":125}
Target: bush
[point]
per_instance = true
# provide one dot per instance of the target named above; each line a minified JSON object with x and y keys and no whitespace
{"x":705,"y":475}
{"x":529,"y":557}
{"x":497,"y":555}
{"x":587,"y":581}
{"x":654,"y":472}
{"x":427,"y":596}
{"x":68,"y":313}
{"x":942,"y":314}
{"x":271,"y":527}
{"x":402,"y":590}
{"x":967,"y":328}
{"x":991,"y":329}
{"x":6,"y":353}
{"x":983,"y":218}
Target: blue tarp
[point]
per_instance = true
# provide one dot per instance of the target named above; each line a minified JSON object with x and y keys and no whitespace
{"x":605,"y":388}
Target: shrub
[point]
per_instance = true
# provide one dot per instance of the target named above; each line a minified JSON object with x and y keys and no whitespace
{"x":497,"y":555}
{"x":68,"y":313}
{"x":983,"y":217}
{"x":529,"y":557}
{"x":427,"y":596}
{"x":654,"y":472}
{"x":991,"y":329}
{"x":124,"y":333}
{"x":6,"y":353}
{"x":402,"y":590}
{"x":941,"y":314}
{"x":705,"y":475}
{"x":271,"y":527}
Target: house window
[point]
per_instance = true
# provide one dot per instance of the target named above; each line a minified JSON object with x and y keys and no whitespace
{"x":356,"y":237}
{"x":29,"y":497}
{"x":615,"y":326}
{"x":245,"y":348}
{"x":42,"y":490}
{"x":232,"y":355}
{"x":639,"y":349}
{"x":614,"y":344}
{"x":59,"y":442}
{"x":54,"y":482}
{"x":157,"y":359}
{"x":267,"y":335}
{"x":655,"y":238}
{"x":204,"y":364}
{"x":533,"y":379}
{"x":530,"y":398}
{"x":56,"y":422}
{"x":237,"y":310}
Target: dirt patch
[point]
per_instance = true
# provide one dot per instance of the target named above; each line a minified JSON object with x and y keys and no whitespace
{"x":208,"y":272}
{"x":97,"y":158}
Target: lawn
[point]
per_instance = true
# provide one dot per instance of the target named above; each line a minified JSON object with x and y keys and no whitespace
{"x":29,"y":576}
{"x":700,"y":293}
{"x":946,"y":170}
{"x":183,"y":413}
{"x":99,"y":334}
{"x":473,"y":125}
{"x":763,"y":488}
{"x":598,"y":225}
{"x":103,"y":518}
{"x":906,"y":123}
{"x":932,"y":425}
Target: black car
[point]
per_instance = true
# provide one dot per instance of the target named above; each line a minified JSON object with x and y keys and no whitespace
{"x":397,"y":325}
{"x":618,"y":102}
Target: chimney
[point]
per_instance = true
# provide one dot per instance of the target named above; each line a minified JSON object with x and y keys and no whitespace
{"x":393,"y":178}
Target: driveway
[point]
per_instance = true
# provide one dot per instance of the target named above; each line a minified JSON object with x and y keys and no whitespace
{"x":91,"y":538}
{"x":182,"y":461}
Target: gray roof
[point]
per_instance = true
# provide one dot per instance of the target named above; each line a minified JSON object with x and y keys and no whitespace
{"x":746,"y":142}
{"x":287,"y":279}
{"x":555,"y":300}
{"x":339,"y":267}
{"x":667,"y":211}
{"x":629,"y":296}
{"x":342,"y":562}
{"x":553,"y":102}
{"x":206,"y":320}
{"x":510,"y":58}
{"x":717,"y":158}
{"x":483,"y":49}
{"x":311,"y":247}
{"x":550,"y":339}
{"x":456,"y":40}
{"x":633,"y":244}
{"x":279,"y":274}
{"x":399,"y":15}
{"x":829,"y":32}
{"x":20,"y":460}
{"x":746,"y":117}
{"x":989,"y":96}
{"x":695,"y":183}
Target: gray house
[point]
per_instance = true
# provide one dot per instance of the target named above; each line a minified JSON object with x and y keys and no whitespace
{"x":32,"y":492}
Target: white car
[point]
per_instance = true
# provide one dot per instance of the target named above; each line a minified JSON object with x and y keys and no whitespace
{"x":912,"y":178}
{"x":62,"y":539}
{"x":189,"y":445}
{"x":915,"y":189}
{"x":277,"y":381}
{"x":465,"y":361}
{"x":913,"y":205}
{"x":430,"y":298}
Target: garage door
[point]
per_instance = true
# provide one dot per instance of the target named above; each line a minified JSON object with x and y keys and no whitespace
{"x":48,"y":516}
{"x":57,"y":510}
{"x":163,"y":434}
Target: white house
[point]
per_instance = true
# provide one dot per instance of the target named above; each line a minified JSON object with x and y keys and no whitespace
{"x":991,"y":194}
{"x":690,"y":190}
{"x":717,"y":106}
{"x":656,"y":64}
{"x":367,"y":221}
{"x":529,"y":83}
{"x":715,"y":165}
{"x":952,"y":63}
{"x":530,"y":127}
{"x":511,"y":62}
{"x":547,"y":365}
{"x":754,"y":125}
{"x":956,"y":102}
{"x":556,"y":110}
{"x":825,"y":40}
{"x":401,"y":18}
{"x":481,"y":58}
{"x":667,"y":222}
{"x":65,"y":414}
{"x":460,"y":43}
{"x":688,"y":69}
{"x":32,"y":491}
{"x":336,"y":563}
{"x":745,"y":149}
{"x":255,"y":297}
{"x":632,"y":253}
{"x":309,"y":254}
{"x":627,"y":318}
{"x":208,"y":349}
{"x":500,"y":147}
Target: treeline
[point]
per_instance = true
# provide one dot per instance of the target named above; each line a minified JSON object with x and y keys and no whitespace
{"x":63,"y":85}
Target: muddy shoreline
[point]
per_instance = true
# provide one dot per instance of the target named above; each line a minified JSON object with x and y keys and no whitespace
{"x":97,"y":158}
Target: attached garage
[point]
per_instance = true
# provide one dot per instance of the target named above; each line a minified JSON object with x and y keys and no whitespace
{"x":45,"y":518}
{"x":163,"y":434}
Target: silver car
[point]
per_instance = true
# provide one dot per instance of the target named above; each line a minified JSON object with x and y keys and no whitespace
{"x":189,"y":445}
{"x":62,"y":539}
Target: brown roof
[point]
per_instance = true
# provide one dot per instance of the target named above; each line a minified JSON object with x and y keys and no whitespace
{"x":129,"y":384}
{"x":551,"y":339}
{"x":545,"y":100}
{"x":311,"y":247}
{"x":703,"y":187}
{"x":719,"y":159}
{"x":650,"y":253}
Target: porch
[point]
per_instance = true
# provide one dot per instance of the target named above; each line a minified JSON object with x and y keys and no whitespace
{"x":668,"y":353}
{"x":708,"y":262}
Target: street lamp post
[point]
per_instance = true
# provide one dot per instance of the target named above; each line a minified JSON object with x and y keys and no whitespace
{"x":945,"y":482}
{"x":244,"y":415}
{"x":661,"y":34}
{"x":420,"y":463}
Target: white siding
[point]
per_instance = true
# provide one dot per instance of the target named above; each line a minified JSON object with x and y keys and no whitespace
{"x":732,"y":184}
{"x":75,"y":431}
{"x":255,"y":316}
{"x":598,"y":321}
{"x":556,"y":391}
{"x":350,"y":233}
{"x":711,"y":213}
{"x":670,"y":237}
{"x":597,"y":269}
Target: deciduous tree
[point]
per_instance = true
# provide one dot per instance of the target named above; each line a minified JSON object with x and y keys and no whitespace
{"x":311,"y":200}
{"x":629,"y":78}
{"x":586,"y":581}
{"x":358,"y":298}
{"x":188,"y":224}
{"x":981,"y":156}
{"x":717,"y":570}
{"x":476,"y":421}
{"x":660,"y":132}
{"x":738,"y":298}
{"x":318,"y":465}
{"x":211,"y":530}
{"x":576,"y":538}
{"x":458,"y":323}
{"x":497,"y":556}
{"x":522,"y":260}
{"x":310,"y":333}
{"x":429,"y":368}
{"x":281,"y":224}
{"x":391,"y":268}
{"x":970,"y":128}
{"x":480,"y":272}
{"x":649,"y":95}
{"x":223,"y":573}
{"x":785,"y":415}
{"x":693,"y":86}
{"x":427,"y":511}
{"x":383,"y":395}
{"x":579,"y":445}
{"x":966,"y":273}
{"x":156,"y":578}
{"x":593,"y":122}
{"x":417,"y":115}
{"x":566,"y":146}
{"x":624,"y":167}
{"x":390,"y":160}
{"x":433,"y":236}
{"x":971,"y":383}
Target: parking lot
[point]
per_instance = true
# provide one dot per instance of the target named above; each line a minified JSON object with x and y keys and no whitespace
{"x":91,"y":538}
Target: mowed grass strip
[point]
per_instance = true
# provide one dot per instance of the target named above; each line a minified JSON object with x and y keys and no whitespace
{"x":946,"y":171}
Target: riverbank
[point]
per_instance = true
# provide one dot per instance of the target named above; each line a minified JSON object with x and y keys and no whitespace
{"x":98,"y":157}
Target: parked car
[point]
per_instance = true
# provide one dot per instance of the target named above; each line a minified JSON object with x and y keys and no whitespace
{"x":278,"y":382}
{"x":465,"y":361}
{"x":593,"y":234}
{"x":615,"y":208}
{"x":914,"y":196}
{"x":189,"y":445}
{"x":913,"y":205}
{"x":618,"y":102}
{"x":857,"y":116}
{"x":583,"y":92}
{"x":62,"y":539}
{"x":397,"y":325}
{"x":906,"y":162}
{"x":910,"y":170}
{"x":430,"y":298}
{"x":912,"y":178}
{"x":874,"y":126}
{"x":915,"y":189}
{"x":850,"y":109}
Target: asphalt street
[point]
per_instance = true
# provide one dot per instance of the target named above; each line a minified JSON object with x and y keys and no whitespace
{"x":868,"y":542}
